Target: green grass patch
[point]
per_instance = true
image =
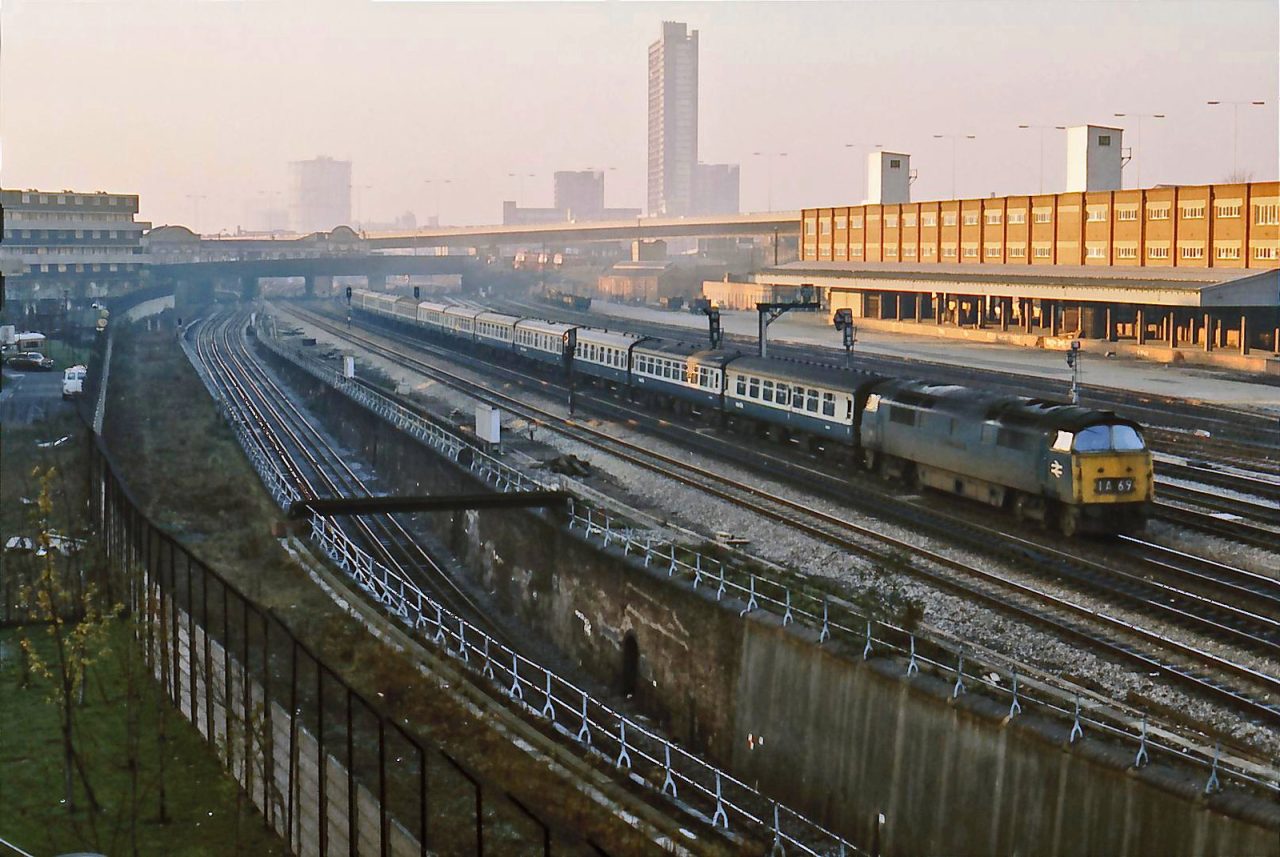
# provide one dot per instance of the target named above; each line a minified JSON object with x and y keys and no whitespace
{"x":204,"y":816}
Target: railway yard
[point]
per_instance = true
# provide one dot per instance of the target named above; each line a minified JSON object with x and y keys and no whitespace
{"x":1162,"y":643}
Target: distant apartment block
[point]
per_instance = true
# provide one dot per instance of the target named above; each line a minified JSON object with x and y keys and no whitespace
{"x":69,"y":243}
{"x":673,"y":120}
{"x":716,"y":189}
{"x":319,"y":194}
{"x":580,"y":193}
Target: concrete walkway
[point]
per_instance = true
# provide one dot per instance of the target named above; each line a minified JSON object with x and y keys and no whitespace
{"x":1199,"y":384}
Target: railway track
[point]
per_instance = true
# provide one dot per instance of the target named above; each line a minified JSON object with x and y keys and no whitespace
{"x":1235,"y":435}
{"x":1186,"y":663}
{"x":320,"y":470}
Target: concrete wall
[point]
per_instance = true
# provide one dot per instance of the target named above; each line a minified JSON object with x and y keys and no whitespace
{"x":843,"y":739}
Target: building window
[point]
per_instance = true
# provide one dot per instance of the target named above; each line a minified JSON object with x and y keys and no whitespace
{"x":929,"y":220}
{"x":826,"y":227}
{"x":891,"y":250}
{"x":1042,"y":216}
{"x":811,"y":228}
{"x":1126,"y":252}
{"x":1193,"y":212}
{"x":949,"y":252}
{"x":909,"y":251}
{"x":1126,"y":214}
{"x":895,"y":163}
{"x":855,"y":251}
{"x":910,"y":219}
{"x":949,"y":219}
{"x":1096,"y":253}
{"x":839,"y":252}
{"x":1043,"y":252}
{"x":993,"y":251}
{"x":993,"y":218}
{"x":1191,"y":252}
{"x":855,"y":222}
{"x":1227,"y":209}
{"x":1227,"y":252}
{"x":1161,"y":213}
{"x":1264,"y":252}
{"x":927,"y":250}
{"x":971,"y":220}
{"x":1098,"y":214}
{"x":891,"y":221}
{"x":1104,"y":139}
{"x":1158,"y":252}
{"x":1267,"y":215}
{"x":1017,"y":252}
{"x":842,"y":222}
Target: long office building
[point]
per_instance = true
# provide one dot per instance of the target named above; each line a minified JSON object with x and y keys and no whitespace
{"x":673,"y":121}
{"x":70,"y":245}
{"x":1167,"y":267}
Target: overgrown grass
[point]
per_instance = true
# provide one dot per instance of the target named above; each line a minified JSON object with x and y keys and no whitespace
{"x":200,"y":799}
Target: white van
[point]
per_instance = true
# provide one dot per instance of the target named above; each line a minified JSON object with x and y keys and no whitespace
{"x":73,"y":381}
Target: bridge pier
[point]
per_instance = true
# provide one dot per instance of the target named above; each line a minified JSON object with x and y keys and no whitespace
{"x":250,"y":288}
{"x":377,"y":282}
{"x":318,"y":284}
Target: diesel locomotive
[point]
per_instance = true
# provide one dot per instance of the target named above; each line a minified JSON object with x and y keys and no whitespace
{"x":1074,"y":468}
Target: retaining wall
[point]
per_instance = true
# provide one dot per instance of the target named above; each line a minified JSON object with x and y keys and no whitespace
{"x":843,"y":739}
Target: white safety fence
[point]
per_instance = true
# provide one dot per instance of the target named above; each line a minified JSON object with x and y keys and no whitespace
{"x":650,"y":759}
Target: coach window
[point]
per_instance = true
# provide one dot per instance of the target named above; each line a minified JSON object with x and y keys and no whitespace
{"x":811,"y":401}
{"x":754,"y":388}
{"x":783,"y":394}
{"x":828,"y":404}
{"x":768,"y":391}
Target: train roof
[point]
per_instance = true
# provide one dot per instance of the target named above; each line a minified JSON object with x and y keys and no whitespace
{"x":498,"y":317}
{"x":556,"y":328}
{"x":1008,"y":410}
{"x":615,"y":338}
{"x":833,"y":377}
{"x":463,"y":311}
{"x":432,"y":306}
{"x":668,"y":347}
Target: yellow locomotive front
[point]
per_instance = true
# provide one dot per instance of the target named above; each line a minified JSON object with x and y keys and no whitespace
{"x":1111,"y":477}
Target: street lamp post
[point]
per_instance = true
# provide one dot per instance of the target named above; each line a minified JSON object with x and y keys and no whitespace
{"x":1138,"y":142}
{"x":195,"y":214}
{"x":868,"y":147}
{"x":1042,"y":129}
{"x":438,"y":183}
{"x":769,"y":156}
{"x":1235,"y":130}
{"x":955,"y":138}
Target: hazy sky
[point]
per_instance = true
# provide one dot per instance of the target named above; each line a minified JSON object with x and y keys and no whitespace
{"x":173,"y":98}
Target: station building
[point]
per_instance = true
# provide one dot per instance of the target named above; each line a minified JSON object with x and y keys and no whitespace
{"x":1179,"y":267}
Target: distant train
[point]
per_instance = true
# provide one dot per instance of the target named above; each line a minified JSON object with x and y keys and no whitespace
{"x":1078,"y":469}
{"x":582,"y":303}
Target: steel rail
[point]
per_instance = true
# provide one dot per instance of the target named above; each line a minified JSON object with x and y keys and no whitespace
{"x":790,"y":512}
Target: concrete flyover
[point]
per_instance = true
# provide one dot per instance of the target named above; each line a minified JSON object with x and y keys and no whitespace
{"x":781,"y":223}
{"x":318,"y":272}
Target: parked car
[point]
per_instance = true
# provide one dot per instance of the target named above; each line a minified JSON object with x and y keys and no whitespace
{"x":31,"y":360}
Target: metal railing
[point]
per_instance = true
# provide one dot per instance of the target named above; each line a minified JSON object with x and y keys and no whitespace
{"x":649,"y":758}
{"x":966,"y":666}
{"x":326,"y":766}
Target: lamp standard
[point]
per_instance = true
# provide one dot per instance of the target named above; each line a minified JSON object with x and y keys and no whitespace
{"x":1042,"y":129}
{"x":1138,"y":142}
{"x":769,"y":156}
{"x":955,"y":138}
{"x":868,"y":147}
{"x":1235,"y":130}
{"x":438,"y":183}
{"x":195,"y":210}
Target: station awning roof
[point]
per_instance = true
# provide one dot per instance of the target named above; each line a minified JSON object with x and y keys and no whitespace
{"x":1182,"y":287}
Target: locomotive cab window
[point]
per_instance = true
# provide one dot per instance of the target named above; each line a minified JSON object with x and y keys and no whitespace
{"x":1108,"y":438}
{"x":1125,"y":439}
{"x":899,"y":414}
